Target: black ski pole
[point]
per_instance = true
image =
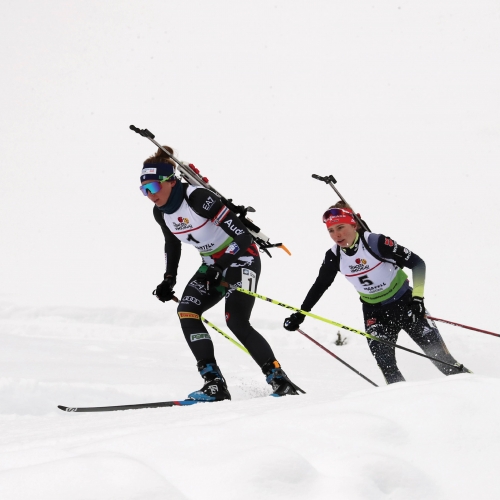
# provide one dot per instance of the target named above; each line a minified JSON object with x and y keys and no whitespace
{"x":330,"y":180}
{"x":336,"y":357}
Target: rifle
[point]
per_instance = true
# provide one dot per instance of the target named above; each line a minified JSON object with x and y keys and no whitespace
{"x":193,"y":177}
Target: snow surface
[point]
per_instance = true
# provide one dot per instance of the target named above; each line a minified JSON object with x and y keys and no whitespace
{"x":398,"y":100}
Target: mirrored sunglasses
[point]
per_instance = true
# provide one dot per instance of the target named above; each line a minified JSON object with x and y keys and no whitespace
{"x":153,"y":187}
{"x":336,"y":212}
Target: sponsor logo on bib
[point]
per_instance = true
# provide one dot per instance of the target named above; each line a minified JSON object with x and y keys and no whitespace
{"x":182,"y":224}
{"x":359,"y":267}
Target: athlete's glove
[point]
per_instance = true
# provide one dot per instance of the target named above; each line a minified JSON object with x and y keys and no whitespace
{"x":416,"y":309}
{"x":293,"y":322}
{"x":165,"y":290}
{"x":212,"y":277}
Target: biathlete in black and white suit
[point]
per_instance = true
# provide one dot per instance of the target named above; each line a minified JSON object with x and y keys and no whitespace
{"x":196,"y":216}
{"x":373,"y":264}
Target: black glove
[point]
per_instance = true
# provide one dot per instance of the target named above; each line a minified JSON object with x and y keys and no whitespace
{"x":165,"y":290}
{"x":416,"y":309}
{"x":212,"y":277}
{"x":293,"y":322}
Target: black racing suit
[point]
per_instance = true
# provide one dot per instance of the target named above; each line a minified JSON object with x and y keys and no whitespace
{"x":386,"y":319}
{"x":196,"y":299}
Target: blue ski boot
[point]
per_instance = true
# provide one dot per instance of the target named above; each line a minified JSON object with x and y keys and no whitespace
{"x":215,"y":388}
{"x":279,"y":381}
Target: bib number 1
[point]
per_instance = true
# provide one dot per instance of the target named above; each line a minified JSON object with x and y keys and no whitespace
{"x":248,"y":280}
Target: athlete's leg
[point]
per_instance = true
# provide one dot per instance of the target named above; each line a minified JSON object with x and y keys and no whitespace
{"x":245,"y":273}
{"x":426,"y":334}
{"x":239,"y":308}
{"x":196,"y":299}
{"x":382,"y":322}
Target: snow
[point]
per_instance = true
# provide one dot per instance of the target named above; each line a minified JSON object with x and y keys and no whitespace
{"x":398,"y":100}
{"x":431,"y":437}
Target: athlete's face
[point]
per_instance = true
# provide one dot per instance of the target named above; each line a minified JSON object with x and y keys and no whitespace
{"x":162,"y":196}
{"x":343,"y":234}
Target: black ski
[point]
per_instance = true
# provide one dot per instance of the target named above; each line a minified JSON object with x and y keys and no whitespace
{"x":184,"y":402}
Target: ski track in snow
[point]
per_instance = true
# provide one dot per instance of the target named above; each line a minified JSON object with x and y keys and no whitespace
{"x":433,"y":438}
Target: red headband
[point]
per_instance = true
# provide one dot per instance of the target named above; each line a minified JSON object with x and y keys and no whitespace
{"x":335,"y":216}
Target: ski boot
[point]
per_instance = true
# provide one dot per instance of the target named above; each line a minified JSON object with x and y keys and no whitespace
{"x":279,"y":381}
{"x":215,"y":388}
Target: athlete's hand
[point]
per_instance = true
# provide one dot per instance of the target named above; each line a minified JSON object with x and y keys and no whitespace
{"x":416,"y":309}
{"x":212,"y":277}
{"x":165,"y":290}
{"x":294,"y":321}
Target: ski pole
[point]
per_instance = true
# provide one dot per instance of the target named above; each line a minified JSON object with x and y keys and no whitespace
{"x":224,"y":334}
{"x":330,"y":180}
{"x":211,"y":325}
{"x":336,"y":357}
{"x":462,"y":326}
{"x":340,"y":325}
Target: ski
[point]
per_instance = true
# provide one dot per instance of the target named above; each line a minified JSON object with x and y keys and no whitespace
{"x":184,"y":402}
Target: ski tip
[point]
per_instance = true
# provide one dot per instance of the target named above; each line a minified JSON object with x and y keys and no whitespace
{"x":66,"y":408}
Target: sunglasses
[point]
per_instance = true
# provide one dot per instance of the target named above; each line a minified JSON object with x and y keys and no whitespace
{"x":336,"y":212}
{"x":154,"y":186}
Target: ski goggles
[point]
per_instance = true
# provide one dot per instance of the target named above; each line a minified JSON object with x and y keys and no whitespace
{"x":334,"y":216}
{"x":336,"y":212}
{"x":154,"y":186}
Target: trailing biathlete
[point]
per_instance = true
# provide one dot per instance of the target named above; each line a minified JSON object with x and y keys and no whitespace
{"x":373,"y":264}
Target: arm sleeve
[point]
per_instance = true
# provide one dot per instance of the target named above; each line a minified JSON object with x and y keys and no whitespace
{"x":403,"y":257}
{"x":172,"y":245}
{"x":207,"y":204}
{"x":327,"y":273}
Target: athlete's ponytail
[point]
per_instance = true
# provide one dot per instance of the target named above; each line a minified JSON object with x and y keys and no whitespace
{"x":161,"y":157}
